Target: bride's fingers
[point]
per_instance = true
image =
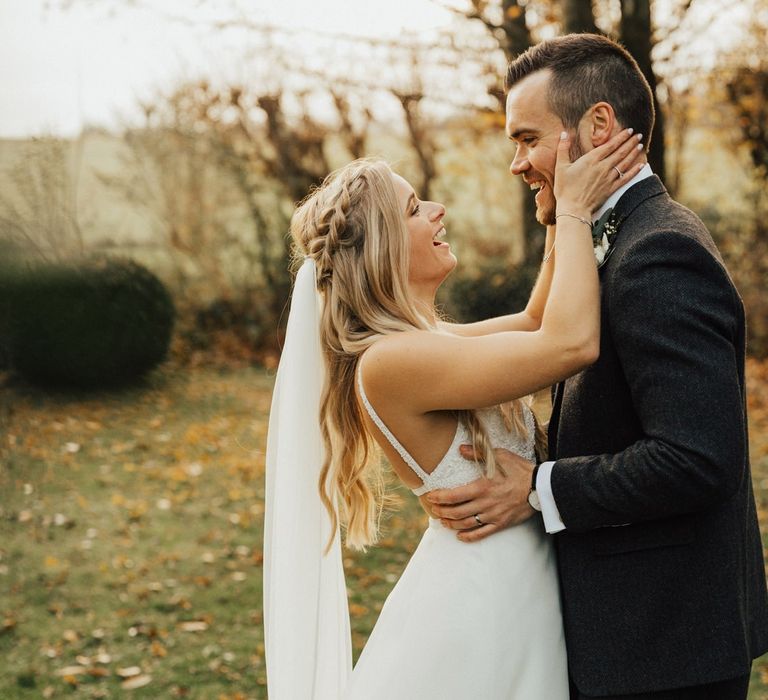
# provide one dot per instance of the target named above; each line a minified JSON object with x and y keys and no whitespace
{"x":627,"y":168}
{"x":563,"y":153}
{"x":626,"y":173}
{"x":615,"y":148}
{"x":630,"y":163}
{"x":626,"y":155}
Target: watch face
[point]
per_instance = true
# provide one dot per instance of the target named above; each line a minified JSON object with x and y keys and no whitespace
{"x":533,"y":500}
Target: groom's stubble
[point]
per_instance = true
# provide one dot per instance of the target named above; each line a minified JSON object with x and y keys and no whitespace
{"x":575,"y":152}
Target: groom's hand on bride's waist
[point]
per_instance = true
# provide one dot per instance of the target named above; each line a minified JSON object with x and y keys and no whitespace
{"x":487,"y":505}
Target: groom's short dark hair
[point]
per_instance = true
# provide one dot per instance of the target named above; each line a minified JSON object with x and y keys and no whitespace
{"x":586,"y":69}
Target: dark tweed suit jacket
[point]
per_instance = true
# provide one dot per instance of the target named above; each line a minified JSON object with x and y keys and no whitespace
{"x":661,"y":564}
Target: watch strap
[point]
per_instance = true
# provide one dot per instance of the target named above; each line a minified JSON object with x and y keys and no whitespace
{"x":533,"y":477}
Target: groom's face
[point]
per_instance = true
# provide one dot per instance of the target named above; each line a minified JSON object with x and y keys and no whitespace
{"x":535,"y":131}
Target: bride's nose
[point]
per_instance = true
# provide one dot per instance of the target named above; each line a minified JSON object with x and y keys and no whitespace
{"x":438,"y":212}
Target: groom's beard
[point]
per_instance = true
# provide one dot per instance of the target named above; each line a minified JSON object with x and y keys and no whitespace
{"x":548,"y":217}
{"x":575,"y":151}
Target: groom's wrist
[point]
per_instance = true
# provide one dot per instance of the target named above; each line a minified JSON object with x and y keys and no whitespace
{"x":533,"y":496}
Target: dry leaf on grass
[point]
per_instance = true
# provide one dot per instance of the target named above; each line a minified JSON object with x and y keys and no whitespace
{"x":193,"y":626}
{"x":128,"y":671}
{"x":136,"y":682}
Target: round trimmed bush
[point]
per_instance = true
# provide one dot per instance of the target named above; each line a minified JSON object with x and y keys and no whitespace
{"x":90,"y":324}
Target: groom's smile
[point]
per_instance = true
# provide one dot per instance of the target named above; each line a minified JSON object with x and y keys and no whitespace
{"x":535,"y":131}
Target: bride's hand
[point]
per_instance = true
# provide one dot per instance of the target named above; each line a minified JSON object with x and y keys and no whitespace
{"x":587,"y":182}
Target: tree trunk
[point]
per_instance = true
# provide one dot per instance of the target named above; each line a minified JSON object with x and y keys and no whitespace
{"x":637,"y":35}
{"x":422,"y":141}
{"x":578,"y":17}
{"x":517,"y":38}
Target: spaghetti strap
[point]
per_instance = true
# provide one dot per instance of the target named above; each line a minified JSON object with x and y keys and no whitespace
{"x":407,"y":458}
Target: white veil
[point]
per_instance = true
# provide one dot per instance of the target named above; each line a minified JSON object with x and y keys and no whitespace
{"x":306,"y":616}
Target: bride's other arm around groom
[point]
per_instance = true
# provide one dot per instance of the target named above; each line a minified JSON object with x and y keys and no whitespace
{"x":648,"y":493}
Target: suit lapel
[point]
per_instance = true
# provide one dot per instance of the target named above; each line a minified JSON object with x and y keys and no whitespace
{"x":630,"y":200}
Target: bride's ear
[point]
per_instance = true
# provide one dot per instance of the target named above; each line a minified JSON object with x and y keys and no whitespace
{"x":601,"y":122}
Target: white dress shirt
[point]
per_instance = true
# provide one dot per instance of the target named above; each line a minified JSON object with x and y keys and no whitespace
{"x":549,"y":511}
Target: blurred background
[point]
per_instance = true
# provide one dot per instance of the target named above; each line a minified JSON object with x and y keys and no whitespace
{"x":151,"y":155}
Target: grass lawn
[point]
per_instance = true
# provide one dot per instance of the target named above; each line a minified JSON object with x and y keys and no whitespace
{"x":130,"y":539}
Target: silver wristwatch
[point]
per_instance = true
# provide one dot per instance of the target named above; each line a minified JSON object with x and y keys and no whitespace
{"x":533,"y":496}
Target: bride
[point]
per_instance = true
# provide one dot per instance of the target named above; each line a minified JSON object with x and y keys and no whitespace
{"x":368,"y":359}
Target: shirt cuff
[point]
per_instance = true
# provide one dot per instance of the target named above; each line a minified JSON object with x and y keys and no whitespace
{"x":552,"y":521}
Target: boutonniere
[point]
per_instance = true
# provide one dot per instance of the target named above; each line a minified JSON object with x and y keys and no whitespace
{"x":603,"y":233}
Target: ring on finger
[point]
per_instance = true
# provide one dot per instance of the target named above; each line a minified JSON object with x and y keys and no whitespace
{"x":618,"y":172}
{"x":477,"y":519}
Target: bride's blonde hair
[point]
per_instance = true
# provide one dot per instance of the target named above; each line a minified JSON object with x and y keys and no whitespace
{"x":352,"y":227}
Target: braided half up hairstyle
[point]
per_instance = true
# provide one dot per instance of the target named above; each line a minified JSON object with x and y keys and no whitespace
{"x":352,"y":228}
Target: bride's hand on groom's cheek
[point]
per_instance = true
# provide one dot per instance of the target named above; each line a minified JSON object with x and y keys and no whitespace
{"x":498,"y":502}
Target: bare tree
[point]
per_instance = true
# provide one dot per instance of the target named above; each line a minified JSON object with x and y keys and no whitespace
{"x":578,"y":16}
{"x":636,"y":33}
{"x":506,"y":22}
{"x":40,"y":212}
{"x":421,"y":140}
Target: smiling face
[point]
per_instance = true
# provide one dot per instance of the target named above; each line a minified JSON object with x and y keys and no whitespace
{"x":431,"y":259}
{"x":535,"y":130}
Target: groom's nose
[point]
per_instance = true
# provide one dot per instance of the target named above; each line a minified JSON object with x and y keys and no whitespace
{"x":519,"y":163}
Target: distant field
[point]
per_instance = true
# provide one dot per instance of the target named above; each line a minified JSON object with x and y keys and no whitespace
{"x":473,"y":182}
{"x":130,"y":539}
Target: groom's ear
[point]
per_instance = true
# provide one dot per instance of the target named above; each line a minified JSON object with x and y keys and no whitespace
{"x":602,"y":123}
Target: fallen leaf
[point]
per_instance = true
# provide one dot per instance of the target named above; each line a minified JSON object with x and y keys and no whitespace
{"x":136,"y":682}
{"x":8,"y":625}
{"x":357,"y":610}
{"x":71,"y":671}
{"x":128,"y":671}
{"x":193,"y":626}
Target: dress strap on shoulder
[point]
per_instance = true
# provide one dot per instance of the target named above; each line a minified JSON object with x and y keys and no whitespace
{"x":407,"y":458}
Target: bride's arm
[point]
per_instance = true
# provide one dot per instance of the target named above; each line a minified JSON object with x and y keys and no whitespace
{"x":527,"y":320}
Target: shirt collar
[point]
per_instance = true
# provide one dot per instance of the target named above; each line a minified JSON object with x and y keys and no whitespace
{"x":609,"y":203}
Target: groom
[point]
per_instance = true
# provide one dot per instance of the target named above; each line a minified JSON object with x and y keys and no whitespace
{"x":650,"y":493}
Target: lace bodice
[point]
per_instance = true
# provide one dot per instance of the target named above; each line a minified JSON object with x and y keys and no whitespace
{"x":453,"y":470}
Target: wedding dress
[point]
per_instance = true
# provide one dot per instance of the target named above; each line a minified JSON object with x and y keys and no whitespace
{"x":476,"y":621}
{"x":468,"y":620}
